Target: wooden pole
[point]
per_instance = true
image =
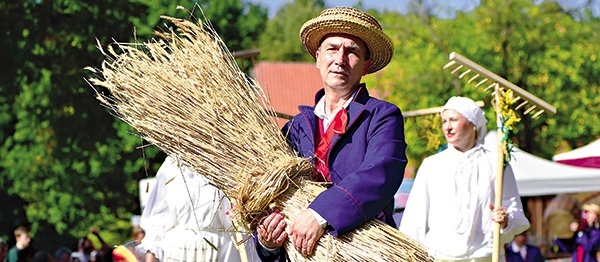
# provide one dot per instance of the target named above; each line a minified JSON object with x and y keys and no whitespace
{"x":499,"y":173}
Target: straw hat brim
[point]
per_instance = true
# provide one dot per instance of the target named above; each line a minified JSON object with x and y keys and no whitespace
{"x":379,"y":44}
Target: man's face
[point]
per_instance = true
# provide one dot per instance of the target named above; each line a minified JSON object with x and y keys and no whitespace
{"x":24,"y":239}
{"x":341,"y":60}
{"x":521,"y":239}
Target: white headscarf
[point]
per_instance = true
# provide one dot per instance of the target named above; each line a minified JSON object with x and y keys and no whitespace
{"x":469,"y":110}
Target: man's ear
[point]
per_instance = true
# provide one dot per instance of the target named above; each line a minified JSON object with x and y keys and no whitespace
{"x":317,"y":58}
{"x":367,"y":67}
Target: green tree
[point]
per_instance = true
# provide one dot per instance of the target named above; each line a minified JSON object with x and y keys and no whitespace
{"x":539,"y":47}
{"x":238,"y":23}
{"x":414,"y":78}
{"x":70,"y":163}
{"x":544,"y":50}
{"x":280,"y":41}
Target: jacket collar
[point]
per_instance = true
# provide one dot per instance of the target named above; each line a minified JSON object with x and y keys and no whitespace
{"x":355,"y":108}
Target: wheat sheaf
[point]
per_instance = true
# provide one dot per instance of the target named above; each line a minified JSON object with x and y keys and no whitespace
{"x":183,"y":92}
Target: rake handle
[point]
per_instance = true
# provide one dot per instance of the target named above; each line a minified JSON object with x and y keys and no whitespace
{"x":499,"y":178}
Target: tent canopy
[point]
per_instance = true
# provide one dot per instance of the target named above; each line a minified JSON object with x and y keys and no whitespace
{"x":537,"y":176}
{"x":585,"y":156}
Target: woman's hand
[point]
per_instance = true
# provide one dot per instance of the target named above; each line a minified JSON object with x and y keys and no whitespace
{"x":499,"y":215}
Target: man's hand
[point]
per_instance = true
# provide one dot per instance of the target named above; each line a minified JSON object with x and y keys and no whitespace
{"x":574,"y":226}
{"x":271,"y":232}
{"x":305,"y":232}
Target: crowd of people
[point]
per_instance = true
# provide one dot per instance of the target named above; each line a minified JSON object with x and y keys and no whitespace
{"x":24,"y":250}
{"x":358,"y":147}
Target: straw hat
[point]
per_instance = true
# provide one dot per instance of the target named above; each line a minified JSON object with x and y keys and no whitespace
{"x":351,"y":21}
{"x":592,"y":207}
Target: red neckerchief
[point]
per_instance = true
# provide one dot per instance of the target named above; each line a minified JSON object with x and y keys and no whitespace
{"x":324,"y":139}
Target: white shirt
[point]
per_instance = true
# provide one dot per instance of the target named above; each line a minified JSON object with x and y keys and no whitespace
{"x":448,"y":206}
{"x":522,"y":250}
{"x":322,"y":114}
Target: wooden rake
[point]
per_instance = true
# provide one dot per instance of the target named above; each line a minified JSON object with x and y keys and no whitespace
{"x":464,"y":67}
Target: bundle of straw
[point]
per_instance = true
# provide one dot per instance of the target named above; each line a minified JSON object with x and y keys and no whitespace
{"x":184,"y":93}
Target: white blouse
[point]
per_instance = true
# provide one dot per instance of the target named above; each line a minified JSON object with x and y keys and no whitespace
{"x":183,"y":214}
{"x":448,"y":206}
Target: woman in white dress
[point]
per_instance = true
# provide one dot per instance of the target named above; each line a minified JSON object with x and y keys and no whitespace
{"x":450,"y":207}
{"x":185,"y":218}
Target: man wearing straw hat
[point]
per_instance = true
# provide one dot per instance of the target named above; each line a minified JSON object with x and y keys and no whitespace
{"x":356,"y":141}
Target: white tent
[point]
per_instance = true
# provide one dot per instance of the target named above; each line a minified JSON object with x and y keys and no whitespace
{"x":586,"y":156}
{"x":537,"y":176}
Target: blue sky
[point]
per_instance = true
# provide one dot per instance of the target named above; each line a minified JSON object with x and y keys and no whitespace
{"x":396,"y":5}
{"x":399,"y":6}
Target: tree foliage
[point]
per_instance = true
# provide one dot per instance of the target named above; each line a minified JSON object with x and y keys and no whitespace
{"x":65,"y":159}
{"x":280,"y":41}
{"x":63,"y":156}
{"x":540,"y":48}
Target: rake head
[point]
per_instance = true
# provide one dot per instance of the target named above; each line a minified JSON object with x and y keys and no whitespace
{"x":466,"y":68}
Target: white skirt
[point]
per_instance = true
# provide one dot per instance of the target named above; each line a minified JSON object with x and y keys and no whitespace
{"x":188,"y":245}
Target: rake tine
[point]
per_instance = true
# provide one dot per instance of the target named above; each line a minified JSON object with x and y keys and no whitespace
{"x":473,"y":78}
{"x":529,"y":109}
{"x":521,"y":105}
{"x":481,"y":82}
{"x":449,"y":64}
{"x":538,"y":113}
{"x":464,"y":73}
{"x":490,"y":86}
{"x":456,"y":69}
{"x":516,"y":99}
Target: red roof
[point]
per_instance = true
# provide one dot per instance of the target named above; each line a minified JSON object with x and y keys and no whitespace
{"x":288,"y":84}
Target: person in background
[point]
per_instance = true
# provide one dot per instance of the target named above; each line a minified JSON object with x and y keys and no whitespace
{"x":105,"y":251}
{"x":85,"y":251}
{"x":3,"y":249}
{"x":519,"y":250}
{"x":356,"y":141}
{"x":587,"y":238}
{"x":185,"y":218}
{"x":62,"y":254}
{"x":450,"y":207}
{"x":137,"y":234}
{"x":43,"y":256}
{"x":22,"y":251}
